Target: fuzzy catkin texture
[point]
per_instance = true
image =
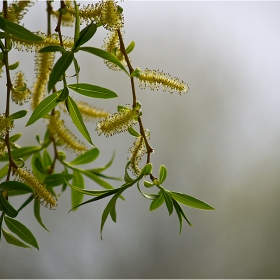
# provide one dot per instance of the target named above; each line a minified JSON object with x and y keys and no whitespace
{"x":155,"y":78}
{"x":43,"y":66}
{"x":63,"y":136}
{"x":118,"y":122}
{"x":20,"y":93}
{"x":17,"y":10}
{"x":5,"y":125}
{"x":39,"y":189}
{"x":137,"y":151}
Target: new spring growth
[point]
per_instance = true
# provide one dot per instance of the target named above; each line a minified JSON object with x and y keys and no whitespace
{"x":154,"y":78}
{"x":20,"y":93}
{"x":43,"y":67}
{"x":6,"y":125}
{"x":39,"y":189}
{"x":119,"y":122}
{"x":17,"y":10}
{"x":105,"y":12}
{"x":63,"y":136}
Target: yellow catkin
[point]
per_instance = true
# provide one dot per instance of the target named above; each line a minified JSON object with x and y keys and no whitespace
{"x":43,"y":67}
{"x":137,"y":151}
{"x":154,"y":78}
{"x":88,"y":112}
{"x":20,"y":93}
{"x":18,"y":9}
{"x":41,"y":192}
{"x":63,"y":136}
{"x":105,"y":12}
{"x":66,"y":19}
{"x":48,"y":40}
{"x":118,"y":122}
{"x":112,"y":45}
{"x":3,"y":148}
{"x":5,"y":125}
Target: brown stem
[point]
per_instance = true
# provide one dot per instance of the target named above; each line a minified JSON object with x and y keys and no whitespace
{"x":150,"y":150}
{"x":58,"y":27}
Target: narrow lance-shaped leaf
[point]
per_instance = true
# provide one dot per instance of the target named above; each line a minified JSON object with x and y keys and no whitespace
{"x":58,"y":179}
{"x":18,"y":115}
{"x":36,"y":208}
{"x":105,"y":55}
{"x":190,"y":201}
{"x":156,"y":203}
{"x":9,"y":209}
{"x":44,"y":107}
{"x":77,"y":118}
{"x":175,"y":203}
{"x":77,"y":197}
{"x":93,"y":91}
{"x":87,"y":157}
{"x":162,"y":174}
{"x":52,"y":49}
{"x":179,"y":208}
{"x":21,"y":231}
{"x":13,"y":240}
{"x":59,"y":68}
{"x":168,"y":200}
{"x":85,"y":35}
{"x":20,"y":32}
{"x":14,"y":186}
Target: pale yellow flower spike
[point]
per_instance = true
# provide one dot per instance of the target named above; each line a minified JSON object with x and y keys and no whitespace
{"x":63,"y":136}
{"x":105,"y":12}
{"x":41,"y":192}
{"x":110,"y":44}
{"x":154,"y":78}
{"x":5,"y":125}
{"x":43,"y":67}
{"x":48,"y":40}
{"x":20,"y":93}
{"x":89,"y":113}
{"x":17,"y":10}
{"x":137,"y":151}
{"x":3,"y":148}
{"x":118,"y":122}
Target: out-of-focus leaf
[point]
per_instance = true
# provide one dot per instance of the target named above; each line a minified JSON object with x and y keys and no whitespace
{"x":130,"y":47}
{"x":21,"y":231}
{"x":87,"y":157}
{"x":101,"y":169}
{"x":13,"y":240}
{"x":76,"y":197}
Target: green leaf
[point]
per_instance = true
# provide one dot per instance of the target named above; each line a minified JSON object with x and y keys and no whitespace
{"x":151,"y":196}
{"x":148,"y":184}
{"x":156,"y":203}
{"x":98,"y":180}
{"x":46,"y":160}
{"x":88,"y":157}
{"x":9,"y":209}
{"x":162,"y":174}
{"x":77,"y":197}
{"x":26,"y":202}
{"x":57,"y":179}
{"x":21,"y":32}
{"x":44,"y":107}
{"x":4,"y":170}
{"x":77,"y":22}
{"x":106,"y":166}
{"x":13,"y":240}
{"x":14,"y":186}
{"x":113,"y":213}
{"x":168,"y":200}
{"x":147,"y":169}
{"x":39,"y":165}
{"x":59,"y":68}
{"x":21,"y":231}
{"x":1,"y":221}
{"x":109,"y":208}
{"x":179,"y":208}
{"x":36,"y":208}
{"x":14,"y":66}
{"x":64,"y":95}
{"x":127,"y":178}
{"x":21,"y":152}
{"x":77,"y":69}
{"x":133,"y":132}
{"x":93,"y":91}
{"x":15,"y":137}
{"x":18,"y":115}
{"x":85,"y":35}
{"x":105,"y":55}
{"x":2,"y":23}
{"x":130,"y":47}
{"x":77,"y":118}
{"x":178,"y":214}
{"x":190,"y":201}
{"x":52,"y":49}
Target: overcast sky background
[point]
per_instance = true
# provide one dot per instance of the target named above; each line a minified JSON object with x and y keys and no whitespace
{"x":220,"y":143}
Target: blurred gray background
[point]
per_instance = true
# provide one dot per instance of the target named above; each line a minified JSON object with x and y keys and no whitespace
{"x":220,"y":143}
